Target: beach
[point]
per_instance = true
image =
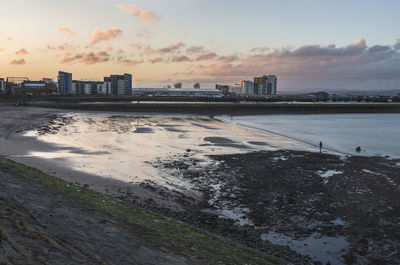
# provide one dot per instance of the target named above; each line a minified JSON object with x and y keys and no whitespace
{"x":264,"y":188}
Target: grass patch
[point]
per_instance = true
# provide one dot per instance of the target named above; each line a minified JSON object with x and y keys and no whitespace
{"x":176,"y":236}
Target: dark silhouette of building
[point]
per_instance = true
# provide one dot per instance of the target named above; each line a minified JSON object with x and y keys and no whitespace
{"x":224,"y":89}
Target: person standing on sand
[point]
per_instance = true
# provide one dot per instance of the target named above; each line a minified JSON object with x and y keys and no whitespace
{"x":320,"y":147}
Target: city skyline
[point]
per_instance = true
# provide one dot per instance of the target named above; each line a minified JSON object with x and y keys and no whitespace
{"x":320,"y":45}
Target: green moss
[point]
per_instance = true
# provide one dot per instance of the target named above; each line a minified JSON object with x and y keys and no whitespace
{"x":174,"y":235}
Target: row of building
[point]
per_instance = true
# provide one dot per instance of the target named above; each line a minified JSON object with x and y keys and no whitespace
{"x":65,"y":85}
{"x":122,"y":85}
{"x":264,"y":85}
{"x":112,"y":85}
{"x":22,"y":86}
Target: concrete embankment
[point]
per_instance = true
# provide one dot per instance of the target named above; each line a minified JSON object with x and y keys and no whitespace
{"x":44,"y":220}
{"x":225,"y":108}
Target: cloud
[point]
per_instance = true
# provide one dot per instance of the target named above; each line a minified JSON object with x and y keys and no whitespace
{"x":310,"y":66}
{"x":65,"y":31}
{"x":86,"y":58}
{"x":9,"y":38}
{"x":171,"y":47}
{"x":195,"y":49}
{"x":355,"y":48}
{"x":128,"y":62}
{"x":206,"y":56}
{"x":397,"y":45}
{"x":379,"y":48}
{"x":262,"y":50}
{"x":144,"y":15}
{"x":143,"y":33}
{"x":2,"y":49}
{"x":179,"y":58}
{"x":112,"y":33}
{"x":17,"y":62}
{"x":64,"y":47}
{"x":228,"y":58}
{"x":21,"y":51}
{"x":156,"y":60}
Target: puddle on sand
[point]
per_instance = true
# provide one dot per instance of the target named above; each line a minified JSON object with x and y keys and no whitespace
{"x":320,"y":248}
{"x":329,"y":173}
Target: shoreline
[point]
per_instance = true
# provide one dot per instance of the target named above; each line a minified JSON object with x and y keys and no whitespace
{"x":344,"y":207}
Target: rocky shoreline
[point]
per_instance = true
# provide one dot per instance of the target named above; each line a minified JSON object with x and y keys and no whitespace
{"x":303,"y":196}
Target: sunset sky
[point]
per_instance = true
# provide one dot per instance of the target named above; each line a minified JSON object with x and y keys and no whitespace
{"x":308,"y":44}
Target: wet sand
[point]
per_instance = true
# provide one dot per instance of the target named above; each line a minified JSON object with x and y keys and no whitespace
{"x":111,"y":153}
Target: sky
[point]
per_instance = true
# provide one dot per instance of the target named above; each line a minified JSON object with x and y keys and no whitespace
{"x":308,"y":44}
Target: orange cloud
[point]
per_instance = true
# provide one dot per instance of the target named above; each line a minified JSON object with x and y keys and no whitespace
{"x":17,"y":62}
{"x":86,"y":58}
{"x":195,"y":49}
{"x":128,"y":62}
{"x":156,"y":60}
{"x":9,"y":38}
{"x":179,"y":58}
{"x":2,"y":49}
{"x":98,"y":36}
{"x":21,"y":51}
{"x":206,"y":56}
{"x":145,"y":15}
{"x":65,"y":31}
{"x":172,"y":47}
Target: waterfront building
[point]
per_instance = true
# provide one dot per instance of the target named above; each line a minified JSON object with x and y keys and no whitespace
{"x":64,"y":83}
{"x":2,"y":86}
{"x":223,"y":88}
{"x":247,"y":87}
{"x":272,"y":84}
{"x":258,"y":88}
{"x":266,"y":84}
{"x":106,"y":86}
{"x":90,"y":87}
{"x":177,"y":92}
{"x":235,"y":89}
{"x":78,"y":87}
{"x":31,"y":88}
{"x":99,"y":88}
{"x":51,"y":85}
{"x":121,"y":84}
{"x":261,"y":83}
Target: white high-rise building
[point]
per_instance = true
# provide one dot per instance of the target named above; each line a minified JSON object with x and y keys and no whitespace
{"x":87,"y":88}
{"x":122,"y":89}
{"x":235,"y":89}
{"x":100,"y":89}
{"x":272,"y":84}
{"x":247,"y":87}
